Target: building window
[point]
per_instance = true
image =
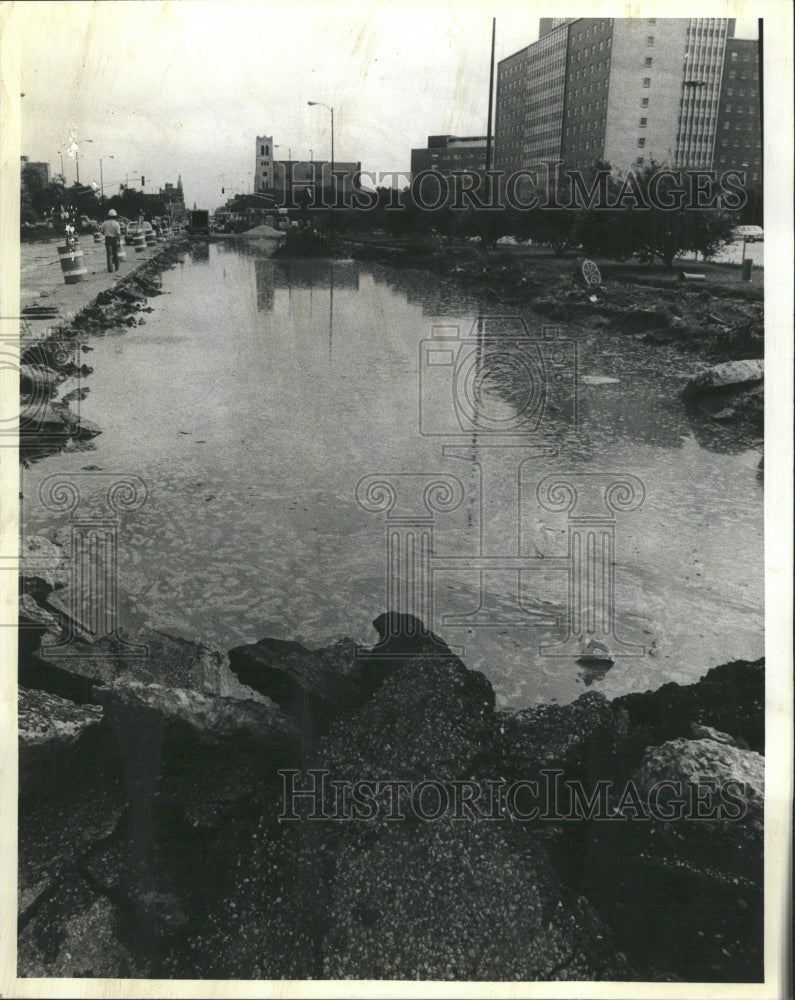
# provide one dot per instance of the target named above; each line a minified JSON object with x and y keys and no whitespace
{"x":732,"y":75}
{"x":649,"y":40}
{"x":724,"y":142}
{"x":644,"y":102}
{"x":267,"y":151}
{"x":734,"y":57}
{"x":647,"y":81}
{"x":652,"y":20}
{"x":262,"y":151}
{"x":647,"y":61}
{"x":641,"y":143}
{"x":643,"y":123}
{"x":639,"y":160}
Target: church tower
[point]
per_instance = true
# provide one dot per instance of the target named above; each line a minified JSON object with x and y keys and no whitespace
{"x":263,"y":163}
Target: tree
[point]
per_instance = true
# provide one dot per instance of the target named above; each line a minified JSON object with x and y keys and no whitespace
{"x":34,"y":195}
{"x":651,"y":214}
{"x":132,"y":203}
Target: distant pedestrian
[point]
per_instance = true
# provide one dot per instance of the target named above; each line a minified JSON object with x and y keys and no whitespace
{"x":112,"y":231}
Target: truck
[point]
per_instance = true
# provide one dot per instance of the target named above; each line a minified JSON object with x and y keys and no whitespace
{"x":199,"y":223}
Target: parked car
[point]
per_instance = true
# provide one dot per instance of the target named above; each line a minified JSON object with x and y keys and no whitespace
{"x":88,"y":225}
{"x":136,"y":228}
{"x":751,"y":234}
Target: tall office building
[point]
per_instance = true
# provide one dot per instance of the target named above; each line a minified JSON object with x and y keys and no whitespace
{"x":627,"y":91}
{"x":531,"y":90}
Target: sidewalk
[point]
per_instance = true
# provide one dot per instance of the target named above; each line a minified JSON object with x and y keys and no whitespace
{"x":42,"y":284}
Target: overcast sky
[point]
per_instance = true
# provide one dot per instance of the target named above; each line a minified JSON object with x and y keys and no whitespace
{"x":184,"y":87}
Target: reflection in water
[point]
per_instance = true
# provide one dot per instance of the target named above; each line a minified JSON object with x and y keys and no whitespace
{"x":263,"y":275}
{"x":199,"y":252}
{"x":261,"y":392}
{"x":315,"y":273}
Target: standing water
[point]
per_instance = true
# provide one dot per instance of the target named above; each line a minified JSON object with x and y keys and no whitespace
{"x":265,"y":403}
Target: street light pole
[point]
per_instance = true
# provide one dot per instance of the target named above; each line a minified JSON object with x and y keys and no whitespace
{"x":102,"y":179}
{"x":63,"y":175}
{"x":331,"y":110}
{"x":288,"y":187}
{"x":745,"y":238}
{"x":77,"y":158}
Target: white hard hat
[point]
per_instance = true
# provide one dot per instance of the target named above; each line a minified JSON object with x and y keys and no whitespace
{"x":112,"y":213}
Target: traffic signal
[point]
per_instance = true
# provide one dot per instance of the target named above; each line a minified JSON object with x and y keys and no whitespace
{"x":142,"y":182}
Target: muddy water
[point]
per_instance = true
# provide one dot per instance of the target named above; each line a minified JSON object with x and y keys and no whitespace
{"x":260,"y":393}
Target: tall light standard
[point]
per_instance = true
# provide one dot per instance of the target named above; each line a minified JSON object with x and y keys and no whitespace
{"x":77,"y":158}
{"x":63,"y":175}
{"x":102,"y":179}
{"x":331,"y":110}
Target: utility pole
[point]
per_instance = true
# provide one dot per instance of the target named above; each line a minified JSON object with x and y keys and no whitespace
{"x":489,"y":176}
{"x":491,"y":95}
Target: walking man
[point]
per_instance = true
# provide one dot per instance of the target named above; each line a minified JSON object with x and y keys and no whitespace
{"x":112,"y":231}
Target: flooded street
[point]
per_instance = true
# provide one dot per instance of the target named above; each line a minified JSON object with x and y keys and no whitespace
{"x":261,"y":393}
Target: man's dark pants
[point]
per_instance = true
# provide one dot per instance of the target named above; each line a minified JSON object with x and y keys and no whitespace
{"x":112,"y":251}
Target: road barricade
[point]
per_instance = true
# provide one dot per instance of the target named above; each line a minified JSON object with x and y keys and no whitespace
{"x":73,"y":264}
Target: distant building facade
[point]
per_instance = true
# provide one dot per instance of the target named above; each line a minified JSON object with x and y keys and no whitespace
{"x":278,"y":179}
{"x":629,"y":91}
{"x":41,"y":170}
{"x":295,"y":180}
{"x":174,"y":197}
{"x":448,"y":153}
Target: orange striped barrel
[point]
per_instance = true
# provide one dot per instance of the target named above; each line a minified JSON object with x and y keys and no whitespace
{"x":73,"y":265}
{"x":139,"y":242}
{"x":151,"y":239}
